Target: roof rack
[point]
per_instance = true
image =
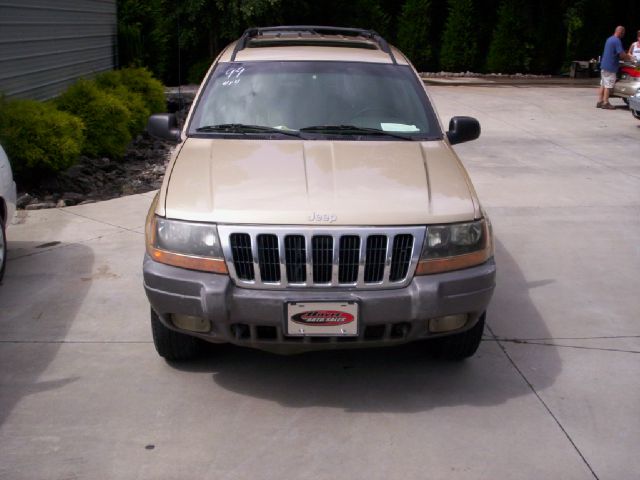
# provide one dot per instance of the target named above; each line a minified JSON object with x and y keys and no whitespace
{"x":315,"y":30}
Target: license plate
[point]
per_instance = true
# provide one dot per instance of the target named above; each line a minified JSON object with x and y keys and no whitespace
{"x":322,"y":319}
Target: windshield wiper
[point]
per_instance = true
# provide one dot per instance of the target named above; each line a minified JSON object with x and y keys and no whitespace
{"x":242,"y":128}
{"x":353,"y":129}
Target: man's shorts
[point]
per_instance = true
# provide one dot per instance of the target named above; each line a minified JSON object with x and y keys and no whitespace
{"x":607,"y":79}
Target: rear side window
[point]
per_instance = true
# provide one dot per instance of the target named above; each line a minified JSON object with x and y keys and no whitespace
{"x":298,"y":95}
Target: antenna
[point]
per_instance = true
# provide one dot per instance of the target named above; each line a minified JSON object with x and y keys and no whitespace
{"x":180,"y":100}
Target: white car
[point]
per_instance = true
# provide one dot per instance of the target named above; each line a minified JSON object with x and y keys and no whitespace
{"x":7,"y":205}
{"x":634,"y":105}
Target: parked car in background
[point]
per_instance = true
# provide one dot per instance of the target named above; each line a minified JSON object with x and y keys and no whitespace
{"x":634,"y":105}
{"x":316,"y":203}
{"x":7,"y":205}
{"x":628,"y":84}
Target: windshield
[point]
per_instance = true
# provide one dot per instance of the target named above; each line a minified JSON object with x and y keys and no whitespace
{"x":317,"y":99}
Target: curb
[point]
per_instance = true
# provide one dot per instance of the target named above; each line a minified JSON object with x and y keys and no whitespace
{"x":511,"y":82}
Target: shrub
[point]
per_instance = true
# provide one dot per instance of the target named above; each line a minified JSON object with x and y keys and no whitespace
{"x":138,"y":111}
{"x":459,"y":42}
{"x":106,"y":118}
{"x":109,"y":80}
{"x":111,"y":83}
{"x":503,"y":55}
{"x":141,"y":81}
{"x":414,"y":25}
{"x":38,"y":138}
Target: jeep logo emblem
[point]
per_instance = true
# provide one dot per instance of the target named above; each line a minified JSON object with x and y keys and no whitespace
{"x":323,"y":217}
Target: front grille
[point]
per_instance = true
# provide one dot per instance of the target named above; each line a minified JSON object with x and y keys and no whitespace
{"x":282,"y":257}
{"x":268,"y":258}
{"x":322,"y":248}
{"x":402,"y":246}
{"x":349,"y":258}
{"x":295,"y":258}
{"x":242,"y":256}
{"x":376,"y":256}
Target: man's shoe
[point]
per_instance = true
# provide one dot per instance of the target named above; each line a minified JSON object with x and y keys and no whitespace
{"x":599,"y":104}
{"x":607,"y":106}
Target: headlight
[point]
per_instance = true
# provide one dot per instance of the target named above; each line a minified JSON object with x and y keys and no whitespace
{"x":455,"y":246}
{"x":195,"y":246}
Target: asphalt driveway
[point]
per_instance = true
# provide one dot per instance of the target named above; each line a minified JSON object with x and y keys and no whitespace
{"x":552,"y":393}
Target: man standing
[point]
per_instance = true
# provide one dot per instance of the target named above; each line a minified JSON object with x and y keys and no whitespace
{"x":613,"y":52}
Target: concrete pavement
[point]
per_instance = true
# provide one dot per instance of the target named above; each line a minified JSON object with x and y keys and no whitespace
{"x":552,"y":393}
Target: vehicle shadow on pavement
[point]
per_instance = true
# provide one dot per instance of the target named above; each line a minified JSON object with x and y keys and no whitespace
{"x":398,"y":379}
{"x":39,"y":300}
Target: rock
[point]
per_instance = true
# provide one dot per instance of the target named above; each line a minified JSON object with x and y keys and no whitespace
{"x":73,"y":172}
{"x":40,"y":206}
{"x":23,"y":200}
{"x":85,"y":202}
{"x":127,"y":190}
{"x":61,"y":203}
{"x":73,"y":197}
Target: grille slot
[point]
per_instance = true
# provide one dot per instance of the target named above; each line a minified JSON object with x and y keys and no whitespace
{"x":349,"y":258}
{"x":401,"y":257}
{"x":269,"y":258}
{"x":295,"y":258}
{"x":242,"y":256}
{"x":376,"y":253}
{"x":275,"y":257}
{"x":322,"y":249}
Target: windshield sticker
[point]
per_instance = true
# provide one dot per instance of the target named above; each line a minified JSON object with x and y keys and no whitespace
{"x":233,"y":76}
{"x":398,"y":127}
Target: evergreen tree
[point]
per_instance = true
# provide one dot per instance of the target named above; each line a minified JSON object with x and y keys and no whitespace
{"x":510,"y":49}
{"x":459,"y":43}
{"x":550,"y":34}
{"x":413,"y":32}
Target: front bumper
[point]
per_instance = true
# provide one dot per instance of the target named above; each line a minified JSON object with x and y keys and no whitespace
{"x":256,"y":318}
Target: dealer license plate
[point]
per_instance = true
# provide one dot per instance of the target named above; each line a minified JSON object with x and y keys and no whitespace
{"x":322,"y":319}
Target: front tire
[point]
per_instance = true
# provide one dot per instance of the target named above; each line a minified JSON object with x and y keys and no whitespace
{"x":173,"y":346}
{"x":460,"y":345}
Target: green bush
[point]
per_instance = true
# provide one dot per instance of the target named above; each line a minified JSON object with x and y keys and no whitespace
{"x":459,"y":42}
{"x":111,"y":82}
{"x":38,"y":138}
{"x":506,"y":55}
{"x":106,"y":118}
{"x":414,"y":26}
{"x":141,"y":81}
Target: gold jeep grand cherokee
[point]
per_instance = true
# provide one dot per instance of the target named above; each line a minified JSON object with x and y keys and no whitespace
{"x":314,"y":202}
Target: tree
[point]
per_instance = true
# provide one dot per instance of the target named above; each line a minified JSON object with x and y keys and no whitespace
{"x":459,"y":44}
{"x":511,"y":48}
{"x":550,"y":34}
{"x":413,"y":32}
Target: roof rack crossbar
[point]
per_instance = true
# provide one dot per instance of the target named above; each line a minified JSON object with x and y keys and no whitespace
{"x":314,"y":29}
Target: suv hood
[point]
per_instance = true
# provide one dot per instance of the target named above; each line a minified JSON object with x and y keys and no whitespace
{"x":291,"y":182}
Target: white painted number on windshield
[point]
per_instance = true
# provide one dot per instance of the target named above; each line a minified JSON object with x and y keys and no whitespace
{"x":233,"y":76}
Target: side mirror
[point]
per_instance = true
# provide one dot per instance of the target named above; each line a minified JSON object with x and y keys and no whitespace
{"x":463,"y":129}
{"x":164,"y":125}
